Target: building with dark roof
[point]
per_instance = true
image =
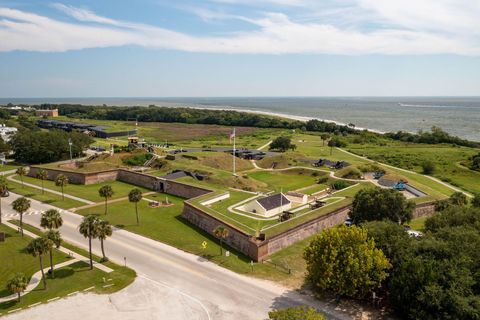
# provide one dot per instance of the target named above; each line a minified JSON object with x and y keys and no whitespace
{"x":269,"y":206}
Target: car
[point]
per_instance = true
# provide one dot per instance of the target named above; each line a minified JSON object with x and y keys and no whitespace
{"x":414,"y":234}
{"x":348,"y":222}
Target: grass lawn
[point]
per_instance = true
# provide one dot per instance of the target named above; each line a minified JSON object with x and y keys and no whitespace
{"x":16,"y":259}
{"x":88,"y":192}
{"x":166,"y":225}
{"x":446,"y":159}
{"x":8,"y":167}
{"x":287,"y":180}
{"x":418,"y":223}
{"x":47,"y":197}
{"x":75,"y":277}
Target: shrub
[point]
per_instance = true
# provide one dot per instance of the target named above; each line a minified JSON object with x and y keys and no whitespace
{"x":137,"y":160}
{"x":339,"y":185}
{"x":428,"y":167}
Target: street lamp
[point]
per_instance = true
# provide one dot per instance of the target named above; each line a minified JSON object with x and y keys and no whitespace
{"x":70,"y":143}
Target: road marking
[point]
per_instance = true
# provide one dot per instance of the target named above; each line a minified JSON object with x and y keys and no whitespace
{"x":88,"y":289}
{"x":180,"y":292}
{"x":34,"y":305}
{"x":14,"y":310}
{"x":72,"y":293}
{"x":53,"y":299}
{"x":108,"y":285}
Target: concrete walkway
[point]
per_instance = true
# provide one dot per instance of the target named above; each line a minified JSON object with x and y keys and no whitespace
{"x":36,"y":279}
{"x":74,"y":255}
{"x":11,"y":178}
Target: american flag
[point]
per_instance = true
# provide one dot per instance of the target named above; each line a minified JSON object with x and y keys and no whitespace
{"x":232,"y":135}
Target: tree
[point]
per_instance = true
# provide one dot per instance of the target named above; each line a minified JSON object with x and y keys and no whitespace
{"x":17,"y":284}
{"x":21,"y":205}
{"x":221,"y":233}
{"x":106,"y":192}
{"x":475,"y":201}
{"x":51,"y":219}
{"x":3,"y":189}
{"x":42,"y":175}
{"x":38,"y":247}
{"x":135,"y":195}
{"x":21,"y":171}
{"x":296,"y":313}
{"x":459,"y":199}
{"x":428,"y":167}
{"x":324,"y":137}
{"x":345,"y":260}
{"x":61,"y":181}
{"x":89,"y":229}
{"x":56,"y":239}
{"x":282,"y":144}
{"x":380,"y":204}
{"x":104,"y":230}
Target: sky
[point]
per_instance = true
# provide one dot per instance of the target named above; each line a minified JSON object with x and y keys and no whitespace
{"x":196,"y":48}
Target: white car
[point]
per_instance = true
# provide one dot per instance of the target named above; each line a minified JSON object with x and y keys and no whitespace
{"x":414,"y":234}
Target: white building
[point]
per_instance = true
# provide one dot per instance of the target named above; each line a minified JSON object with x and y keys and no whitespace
{"x":269,"y":206}
{"x":7,"y":132}
{"x":297,"y":197}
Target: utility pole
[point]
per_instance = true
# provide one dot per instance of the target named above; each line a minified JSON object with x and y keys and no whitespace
{"x":234,"y":151}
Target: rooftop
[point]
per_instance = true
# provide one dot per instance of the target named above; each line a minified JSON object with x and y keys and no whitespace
{"x":273,"y":201}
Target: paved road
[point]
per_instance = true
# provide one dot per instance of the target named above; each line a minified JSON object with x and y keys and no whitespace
{"x":191,"y":287}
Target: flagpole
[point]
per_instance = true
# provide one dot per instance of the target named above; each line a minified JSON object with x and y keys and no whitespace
{"x":234,"y":150}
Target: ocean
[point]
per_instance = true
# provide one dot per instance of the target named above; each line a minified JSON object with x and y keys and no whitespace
{"x":457,"y":115}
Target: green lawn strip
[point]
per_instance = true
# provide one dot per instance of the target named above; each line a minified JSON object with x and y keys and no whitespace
{"x":418,"y":223}
{"x":47,"y":197}
{"x":8,"y":167}
{"x":235,"y":197}
{"x":314,"y":188}
{"x":166,"y":225}
{"x":121,"y":276}
{"x":87,"y":192}
{"x":15,"y":259}
{"x":286,"y":180}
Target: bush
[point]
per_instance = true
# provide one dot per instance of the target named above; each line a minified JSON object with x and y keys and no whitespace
{"x":339,"y":185}
{"x":296,"y":313}
{"x":428,"y":167}
{"x":323,"y":179}
{"x":282,"y":144}
{"x":345,"y":261}
{"x":350,"y":173}
{"x":138,"y":159}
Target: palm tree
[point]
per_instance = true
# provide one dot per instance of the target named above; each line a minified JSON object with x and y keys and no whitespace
{"x":51,"y":219}
{"x":21,"y":171}
{"x":89,"y":229}
{"x":106,"y":192}
{"x":38,"y":247}
{"x":3,"y":189}
{"x":104,"y":230}
{"x":221,"y":233}
{"x":324,"y":137}
{"x":21,"y":205}
{"x":135,"y":195}
{"x":42,"y":175}
{"x":61,"y":181}
{"x":56,"y":239}
{"x":17,"y":284}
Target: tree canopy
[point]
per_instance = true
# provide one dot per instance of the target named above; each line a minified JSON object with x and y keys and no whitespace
{"x":345,"y":261}
{"x":282,"y":144}
{"x":380,"y":204}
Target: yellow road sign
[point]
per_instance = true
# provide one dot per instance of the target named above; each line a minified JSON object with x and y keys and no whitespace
{"x":204,"y":244}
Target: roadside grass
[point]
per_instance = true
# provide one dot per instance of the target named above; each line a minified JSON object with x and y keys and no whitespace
{"x":47,"y":197}
{"x":446,"y":159}
{"x":72,"y":278}
{"x":165,"y":224}
{"x":87,"y":192}
{"x":287,"y":180}
{"x":15,"y":258}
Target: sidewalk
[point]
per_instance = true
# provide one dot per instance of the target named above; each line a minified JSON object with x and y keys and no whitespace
{"x":74,"y":255}
{"x":11,"y":178}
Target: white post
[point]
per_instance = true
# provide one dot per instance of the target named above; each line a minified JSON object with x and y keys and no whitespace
{"x":234,"y":150}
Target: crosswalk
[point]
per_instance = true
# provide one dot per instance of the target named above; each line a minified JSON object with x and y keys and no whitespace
{"x":13,"y":215}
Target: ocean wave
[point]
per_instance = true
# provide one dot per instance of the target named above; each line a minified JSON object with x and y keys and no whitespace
{"x":426,"y":106}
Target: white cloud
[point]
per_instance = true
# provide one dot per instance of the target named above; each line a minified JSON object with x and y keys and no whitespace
{"x":408,"y":28}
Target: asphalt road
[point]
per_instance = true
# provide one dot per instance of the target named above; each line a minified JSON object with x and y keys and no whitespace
{"x":191,"y":283}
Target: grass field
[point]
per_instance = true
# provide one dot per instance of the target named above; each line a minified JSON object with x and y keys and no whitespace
{"x":8,"y":167}
{"x":47,"y":197}
{"x":75,"y":277}
{"x":446,"y":159}
{"x":88,"y":192}
{"x":15,"y":259}
{"x":287,"y":180}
